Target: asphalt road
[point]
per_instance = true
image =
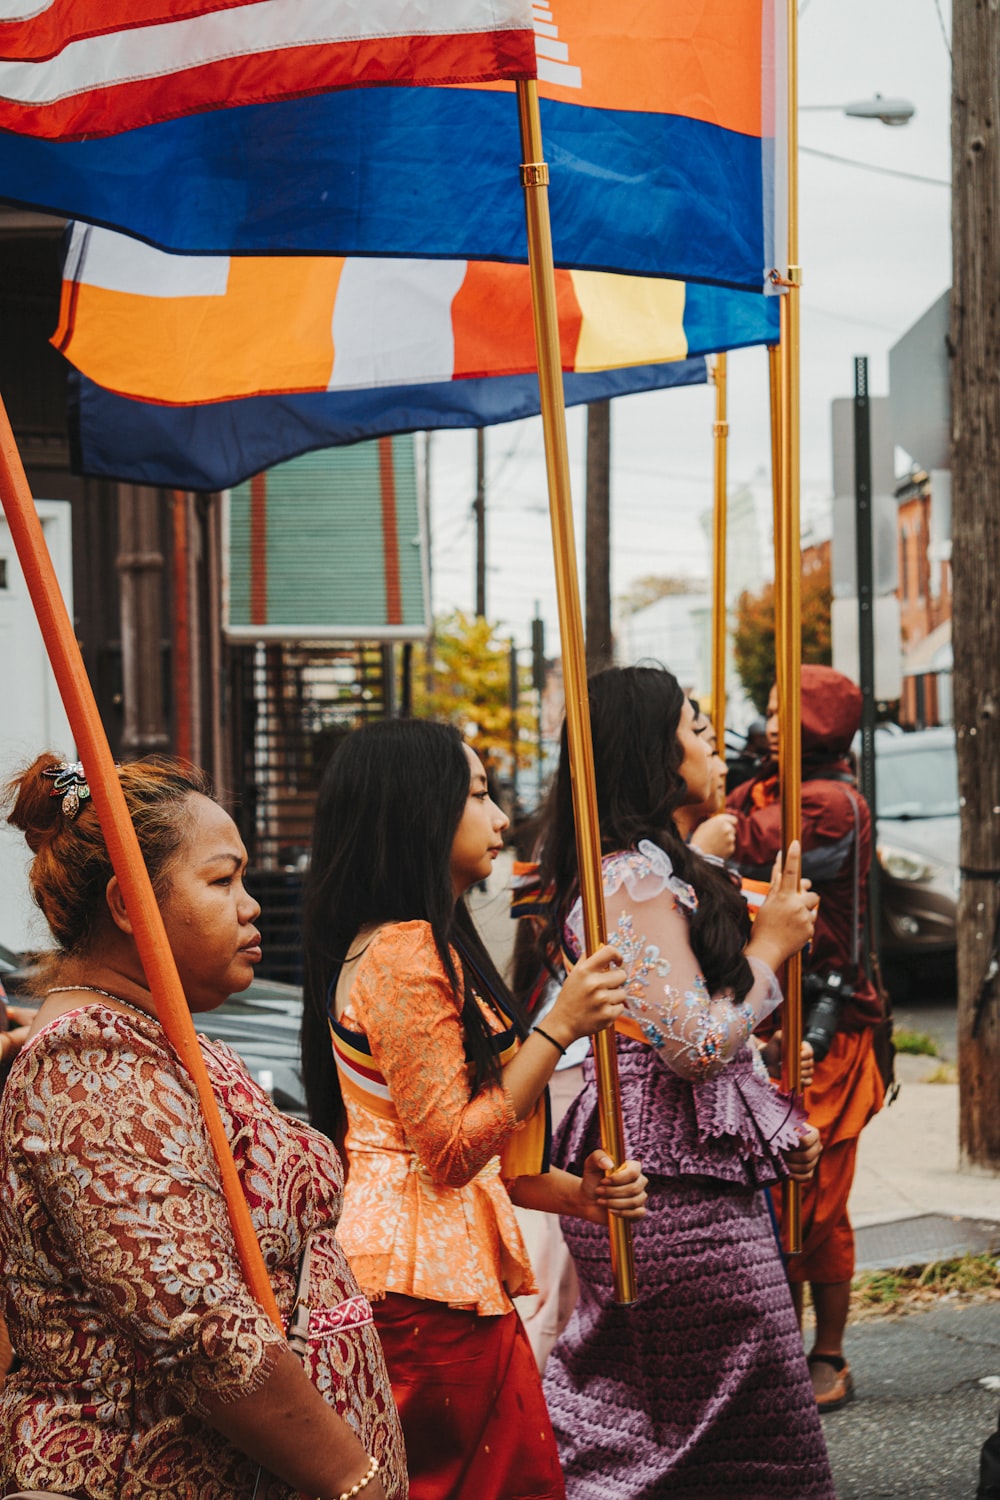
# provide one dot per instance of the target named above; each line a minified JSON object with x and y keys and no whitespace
{"x":921,"y":1413}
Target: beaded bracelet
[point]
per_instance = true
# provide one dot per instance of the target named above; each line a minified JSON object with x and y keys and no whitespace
{"x":365,"y":1479}
{"x":537,"y":1030}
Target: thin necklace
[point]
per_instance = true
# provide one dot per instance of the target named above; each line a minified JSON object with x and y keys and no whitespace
{"x":95,"y":989}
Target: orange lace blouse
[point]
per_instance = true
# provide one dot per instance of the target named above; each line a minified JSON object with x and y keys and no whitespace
{"x":426,"y":1213}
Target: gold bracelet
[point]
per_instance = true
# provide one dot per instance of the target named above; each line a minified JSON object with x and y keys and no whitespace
{"x":365,"y":1480}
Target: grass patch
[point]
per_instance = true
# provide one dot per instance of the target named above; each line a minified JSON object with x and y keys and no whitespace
{"x":970,"y":1278}
{"x":945,"y":1072}
{"x":919,"y":1043}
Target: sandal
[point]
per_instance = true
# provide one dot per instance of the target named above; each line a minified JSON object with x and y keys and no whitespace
{"x":841,"y":1390}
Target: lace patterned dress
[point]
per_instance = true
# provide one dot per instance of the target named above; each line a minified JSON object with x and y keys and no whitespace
{"x":431,"y":1232}
{"x":700,"y":1388}
{"x":124,"y":1295}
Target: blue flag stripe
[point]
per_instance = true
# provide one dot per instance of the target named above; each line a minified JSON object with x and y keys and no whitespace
{"x":217,"y":446}
{"x":417,"y":172}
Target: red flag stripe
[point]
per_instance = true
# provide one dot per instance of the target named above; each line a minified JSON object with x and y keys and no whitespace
{"x":254,"y":52}
{"x":258,"y":550}
{"x":390,"y":534}
{"x":43,"y":35}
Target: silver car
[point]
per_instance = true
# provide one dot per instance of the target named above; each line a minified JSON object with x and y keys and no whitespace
{"x":916,"y":784}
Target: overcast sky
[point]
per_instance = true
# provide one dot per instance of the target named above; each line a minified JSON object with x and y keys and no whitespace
{"x":875,"y":251}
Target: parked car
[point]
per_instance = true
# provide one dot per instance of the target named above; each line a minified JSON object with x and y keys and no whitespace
{"x":262,"y":1025}
{"x":10,"y":966}
{"x":916,"y":778}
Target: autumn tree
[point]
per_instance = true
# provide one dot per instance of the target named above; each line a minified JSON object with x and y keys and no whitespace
{"x":753,"y":638}
{"x":472,"y":687}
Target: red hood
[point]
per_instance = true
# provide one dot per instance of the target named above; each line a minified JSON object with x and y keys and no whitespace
{"x":831,"y":713}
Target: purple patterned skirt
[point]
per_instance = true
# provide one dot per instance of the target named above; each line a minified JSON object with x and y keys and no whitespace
{"x":700,"y":1389}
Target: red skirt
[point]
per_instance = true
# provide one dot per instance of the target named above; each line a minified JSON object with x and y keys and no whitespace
{"x":471,"y":1404}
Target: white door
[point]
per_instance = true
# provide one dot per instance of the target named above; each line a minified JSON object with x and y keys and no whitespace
{"x":32,"y":718}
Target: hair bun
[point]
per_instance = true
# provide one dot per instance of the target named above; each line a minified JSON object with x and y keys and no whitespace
{"x":36,"y":807}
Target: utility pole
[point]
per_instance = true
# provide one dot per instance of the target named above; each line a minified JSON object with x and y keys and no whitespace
{"x":864,"y":562}
{"x":538,"y":683}
{"x":515,"y":734}
{"x":429,"y":566}
{"x":597,"y":541}
{"x":479,"y":511}
{"x":975,"y":424}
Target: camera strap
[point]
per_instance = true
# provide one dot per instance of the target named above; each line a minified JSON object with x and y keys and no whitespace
{"x":885,"y":1051}
{"x":856,"y":895}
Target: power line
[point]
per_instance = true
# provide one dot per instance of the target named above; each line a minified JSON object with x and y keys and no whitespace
{"x":944,"y":29}
{"x":867,"y":166}
{"x":839,"y":317}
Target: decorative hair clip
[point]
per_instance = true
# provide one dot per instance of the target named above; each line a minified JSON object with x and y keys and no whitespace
{"x":70,"y":783}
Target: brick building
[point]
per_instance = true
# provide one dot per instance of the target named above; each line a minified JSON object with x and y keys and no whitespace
{"x":925,"y":597}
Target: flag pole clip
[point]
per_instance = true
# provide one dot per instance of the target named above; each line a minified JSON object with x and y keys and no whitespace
{"x":534,"y":174}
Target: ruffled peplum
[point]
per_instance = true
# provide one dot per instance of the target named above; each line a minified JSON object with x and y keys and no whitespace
{"x":732,"y":1128}
{"x":404,"y":1233}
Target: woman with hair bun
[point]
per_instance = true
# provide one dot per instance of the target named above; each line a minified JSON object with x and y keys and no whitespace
{"x":700,"y":1388}
{"x":145,"y":1367}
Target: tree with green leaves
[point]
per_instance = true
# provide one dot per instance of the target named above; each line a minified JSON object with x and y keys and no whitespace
{"x":471,"y":690}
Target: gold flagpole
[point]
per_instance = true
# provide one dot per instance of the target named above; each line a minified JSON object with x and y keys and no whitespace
{"x":787,"y":600}
{"x":720,"y":434}
{"x":534,"y":178}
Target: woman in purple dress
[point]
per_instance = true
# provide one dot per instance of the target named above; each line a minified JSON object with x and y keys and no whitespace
{"x":700,"y":1388}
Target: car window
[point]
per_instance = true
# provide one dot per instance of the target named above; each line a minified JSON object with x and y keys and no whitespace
{"x":919,"y":784}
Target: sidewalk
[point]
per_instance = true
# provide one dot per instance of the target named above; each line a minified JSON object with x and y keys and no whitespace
{"x":908,"y":1172}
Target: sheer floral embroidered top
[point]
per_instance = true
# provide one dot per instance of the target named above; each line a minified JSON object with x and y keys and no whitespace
{"x":426,"y":1213}
{"x":723,"y":1098}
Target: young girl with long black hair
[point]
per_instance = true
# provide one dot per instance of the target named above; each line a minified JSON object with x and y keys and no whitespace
{"x":437,"y":1089}
{"x":700,"y":1388}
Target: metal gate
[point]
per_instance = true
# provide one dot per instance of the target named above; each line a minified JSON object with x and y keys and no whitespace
{"x":292,"y":706}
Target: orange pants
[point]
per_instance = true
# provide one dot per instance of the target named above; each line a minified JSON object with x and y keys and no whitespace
{"x":846,"y":1091}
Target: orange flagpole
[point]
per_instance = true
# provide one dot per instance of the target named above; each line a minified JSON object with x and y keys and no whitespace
{"x":123,"y":846}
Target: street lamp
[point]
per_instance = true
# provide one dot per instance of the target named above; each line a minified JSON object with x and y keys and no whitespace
{"x":889,"y":111}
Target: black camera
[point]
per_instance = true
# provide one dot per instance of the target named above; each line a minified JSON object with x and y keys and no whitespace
{"x":824,"y":997}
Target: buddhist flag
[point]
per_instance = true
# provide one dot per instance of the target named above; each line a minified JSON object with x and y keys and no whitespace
{"x":659,"y":121}
{"x":185,"y":330}
{"x":195,"y":372}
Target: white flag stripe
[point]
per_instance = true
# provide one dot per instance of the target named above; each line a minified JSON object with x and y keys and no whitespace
{"x":392,"y":322}
{"x":266,"y":26}
{"x":362,"y":1080}
{"x":99,"y":257}
{"x":557,"y":72}
{"x":13,"y":10}
{"x":547,"y":47}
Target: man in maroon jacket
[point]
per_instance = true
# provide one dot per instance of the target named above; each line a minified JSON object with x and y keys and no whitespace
{"x":840,"y":1004}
